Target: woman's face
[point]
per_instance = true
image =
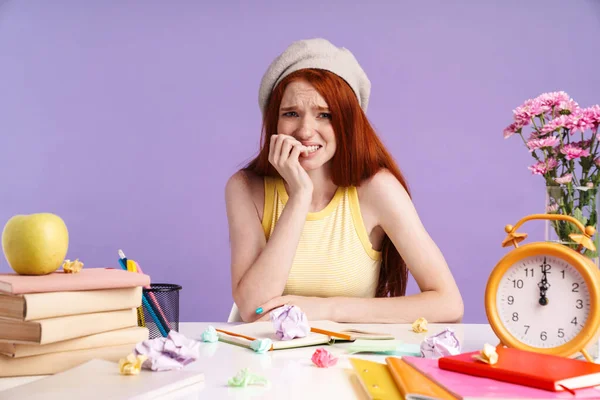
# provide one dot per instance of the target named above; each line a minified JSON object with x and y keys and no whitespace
{"x":304,"y":115}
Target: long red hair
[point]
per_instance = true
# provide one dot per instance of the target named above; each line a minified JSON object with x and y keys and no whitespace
{"x":359,"y":155}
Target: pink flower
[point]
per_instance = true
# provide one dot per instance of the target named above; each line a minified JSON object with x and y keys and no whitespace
{"x":564,"y":179}
{"x":579,"y":121}
{"x":553,"y":99}
{"x":512,"y":129}
{"x":592,"y":116}
{"x":528,"y":110}
{"x":573,"y":151}
{"x":549,"y":141}
{"x":323,"y":359}
{"x":566,"y":107}
{"x":543,"y":167}
{"x":597,"y":161}
{"x":289,"y":322}
{"x":583,"y":143}
{"x":555,"y":124}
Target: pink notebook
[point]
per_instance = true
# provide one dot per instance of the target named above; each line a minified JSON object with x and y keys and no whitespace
{"x":464,"y":385}
{"x":86,"y":279}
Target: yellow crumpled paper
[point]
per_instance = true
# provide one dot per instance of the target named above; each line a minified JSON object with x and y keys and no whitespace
{"x":488,"y":355}
{"x":420,"y":325}
{"x":72,"y":267}
{"x":132,"y":364}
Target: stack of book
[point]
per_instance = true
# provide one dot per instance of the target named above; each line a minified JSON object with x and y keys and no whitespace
{"x":518,"y":374}
{"x":51,"y":323}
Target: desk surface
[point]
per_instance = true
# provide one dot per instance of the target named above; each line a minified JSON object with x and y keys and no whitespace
{"x":291,"y":372}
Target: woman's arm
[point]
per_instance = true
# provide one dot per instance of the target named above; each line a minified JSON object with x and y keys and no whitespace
{"x":439,"y":300}
{"x":259,"y":270}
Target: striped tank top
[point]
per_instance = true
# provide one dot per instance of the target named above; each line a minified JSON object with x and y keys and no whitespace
{"x":334,"y":256}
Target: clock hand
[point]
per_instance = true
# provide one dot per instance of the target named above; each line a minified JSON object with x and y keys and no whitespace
{"x":543,"y":284}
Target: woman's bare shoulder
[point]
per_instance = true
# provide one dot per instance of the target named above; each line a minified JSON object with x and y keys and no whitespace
{"x":246,"y":184}
{"x":381,"y":183}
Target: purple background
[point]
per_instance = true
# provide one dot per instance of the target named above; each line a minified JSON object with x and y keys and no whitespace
{"x":127,"y":117}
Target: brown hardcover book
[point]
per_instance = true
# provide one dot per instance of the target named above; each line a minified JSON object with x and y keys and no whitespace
{"x":134,"y":334}
{"x":53,"y":330}
{"x":33,"y":306}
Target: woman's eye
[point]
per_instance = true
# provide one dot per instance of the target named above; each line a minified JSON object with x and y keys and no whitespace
{"x":290,"y":114}
{"x":326,"y":115}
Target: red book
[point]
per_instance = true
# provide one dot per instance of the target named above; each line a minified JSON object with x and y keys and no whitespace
{"x":526,"y":368}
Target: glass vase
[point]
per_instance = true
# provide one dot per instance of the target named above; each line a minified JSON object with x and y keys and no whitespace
{"x":582,"y":204}
{"x":578,"y":202}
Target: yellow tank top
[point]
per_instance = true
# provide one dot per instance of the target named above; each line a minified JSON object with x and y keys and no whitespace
{"x":334,"y":256}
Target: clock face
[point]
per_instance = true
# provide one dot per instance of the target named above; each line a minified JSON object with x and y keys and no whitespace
{"x":543,"y":301}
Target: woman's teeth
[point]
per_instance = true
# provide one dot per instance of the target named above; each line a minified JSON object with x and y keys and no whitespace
{"x":312,"y":149}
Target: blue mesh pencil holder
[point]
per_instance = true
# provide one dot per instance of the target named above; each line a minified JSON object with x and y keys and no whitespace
{"x":160,"y":305}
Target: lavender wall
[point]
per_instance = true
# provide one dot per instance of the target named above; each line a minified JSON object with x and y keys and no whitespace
{"x":127,"y":118}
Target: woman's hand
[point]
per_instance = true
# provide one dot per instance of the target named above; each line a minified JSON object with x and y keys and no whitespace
{"x":284,"y":152}
{"x":315,"y":308}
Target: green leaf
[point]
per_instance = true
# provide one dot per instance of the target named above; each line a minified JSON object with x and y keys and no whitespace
{"x":578,"y":215}
{"x":591,"y":254}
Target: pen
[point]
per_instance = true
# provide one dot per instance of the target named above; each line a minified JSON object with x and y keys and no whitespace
{"x":122,"y":257}
{"x":145,"y":302}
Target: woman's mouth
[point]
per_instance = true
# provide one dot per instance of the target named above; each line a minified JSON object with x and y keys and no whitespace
{"x":310,"y":151}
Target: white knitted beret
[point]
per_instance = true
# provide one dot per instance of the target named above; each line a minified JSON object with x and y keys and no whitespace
{"x":316,"y":53}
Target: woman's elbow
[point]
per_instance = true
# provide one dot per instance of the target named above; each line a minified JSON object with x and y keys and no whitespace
{"x":244,"y":313}
{"x":454,"y":307}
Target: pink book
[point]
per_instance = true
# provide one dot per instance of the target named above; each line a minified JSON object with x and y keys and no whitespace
{"x":467,"y":386}
{"x":86,"y":279}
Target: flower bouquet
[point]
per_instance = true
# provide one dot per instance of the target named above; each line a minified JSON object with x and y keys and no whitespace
{"x":564,"y":142}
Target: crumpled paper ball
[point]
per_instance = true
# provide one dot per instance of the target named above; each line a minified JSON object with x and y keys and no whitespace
{"x":420,"y":325}
{"x":323,"y":359}
{"x":72,"y":267}
{"x":289,"y":322}
{"x":245,"y":378}
{"x":261,"y":345}
{"x":132,"y":364}
{"x":168,"y":353}
{"x":443,"y":344}
{"x":488,"y":354}
{"x":210,"y":335}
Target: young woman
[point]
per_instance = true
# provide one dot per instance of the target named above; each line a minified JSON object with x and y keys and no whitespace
{"x":322,"y":217}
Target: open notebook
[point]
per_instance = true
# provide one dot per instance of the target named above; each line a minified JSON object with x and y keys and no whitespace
{"x":322,"y":332}
{"x":99,"y":379}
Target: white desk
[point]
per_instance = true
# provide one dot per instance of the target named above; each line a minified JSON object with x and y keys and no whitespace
{"x":290,"y":372}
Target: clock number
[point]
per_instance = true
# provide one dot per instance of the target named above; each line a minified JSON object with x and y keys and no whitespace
{"x":528,"y":271}
{"x":574,"y":321}
{"x":579,"y":305}
{"x":526,"y":328}
{"x":515,"y":317}
{"x":563,"y":273}
{"x":575,"y":287}
{"x":517,"y":283}
{"x":543,"y":336}
{"x":511,"y":300}
{"x":561,"y":333}
{"x":544,"y":268}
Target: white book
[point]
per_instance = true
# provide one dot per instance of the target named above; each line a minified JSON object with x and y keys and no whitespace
{"x":100,"y":379}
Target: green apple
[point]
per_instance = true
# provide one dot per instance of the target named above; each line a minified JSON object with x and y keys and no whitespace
{"x":35,"y":244}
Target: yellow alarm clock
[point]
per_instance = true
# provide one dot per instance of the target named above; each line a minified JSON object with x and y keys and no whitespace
{"x":544,"y":296}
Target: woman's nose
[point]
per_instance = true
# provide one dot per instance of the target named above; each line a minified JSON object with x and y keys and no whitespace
{"x":306,"y":129}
